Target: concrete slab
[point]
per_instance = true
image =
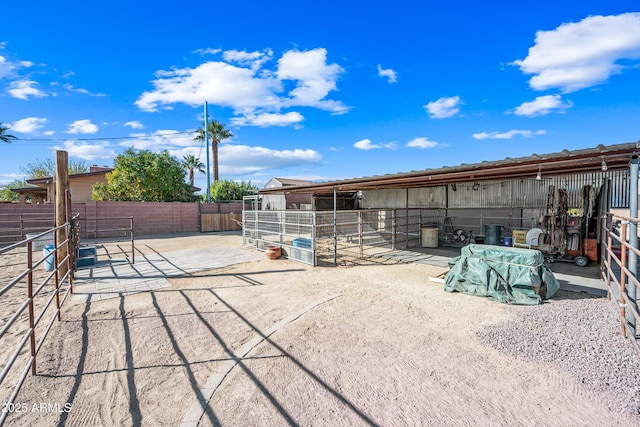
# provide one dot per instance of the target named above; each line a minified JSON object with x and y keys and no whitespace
{"x":113,"y":278}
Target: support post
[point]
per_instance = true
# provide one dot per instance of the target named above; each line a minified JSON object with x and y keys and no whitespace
{"x":394,"y":229}
{"x":633,"y":234}
{"x":360,"y":232}
{"x":406,"y":220}
{"x":206,"y":138}
{"x":335,"y":226}
{"x":62,"y":185}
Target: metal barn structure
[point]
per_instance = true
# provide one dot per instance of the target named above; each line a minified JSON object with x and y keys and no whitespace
{"x":363,"y":216}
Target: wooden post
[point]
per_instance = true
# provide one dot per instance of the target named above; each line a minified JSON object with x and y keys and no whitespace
{"x":62,"y":185}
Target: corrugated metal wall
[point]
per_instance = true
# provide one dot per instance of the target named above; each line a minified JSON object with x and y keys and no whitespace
{"x":517,"y":193}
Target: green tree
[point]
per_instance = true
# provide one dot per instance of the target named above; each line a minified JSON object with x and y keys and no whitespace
{"x":7,"y":194}
{"x":42,"y":168}
{"x":192,"y":164}
{"x":143,"y":176}
{"x":5,"y":136}
{"x":217,"y":132}
{"x":231,"y":190}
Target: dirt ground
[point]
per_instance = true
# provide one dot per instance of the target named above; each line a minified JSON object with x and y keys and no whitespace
{"x":275,"y":342}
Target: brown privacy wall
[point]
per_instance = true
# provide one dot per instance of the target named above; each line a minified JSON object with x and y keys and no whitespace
{"x":17,"y":220}
{"x":148,"y":218}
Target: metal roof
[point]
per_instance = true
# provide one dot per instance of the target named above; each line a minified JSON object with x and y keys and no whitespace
{"x":289,"y":181}
{"x":30,"y":190}
{"x":565,"y":162}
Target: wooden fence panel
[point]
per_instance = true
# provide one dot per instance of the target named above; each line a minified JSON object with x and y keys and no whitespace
{"x":220,"y":222}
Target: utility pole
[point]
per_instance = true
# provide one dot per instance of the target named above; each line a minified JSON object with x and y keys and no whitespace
{"x":206,"y":138}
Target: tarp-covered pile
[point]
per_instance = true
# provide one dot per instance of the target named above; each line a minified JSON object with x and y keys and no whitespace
{"x":504,"y":274}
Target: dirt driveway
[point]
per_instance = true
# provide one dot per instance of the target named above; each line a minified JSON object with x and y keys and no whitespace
{"x":273,"y":342}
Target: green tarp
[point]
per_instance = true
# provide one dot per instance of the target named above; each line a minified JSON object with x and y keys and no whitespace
{"x":504,"y":274}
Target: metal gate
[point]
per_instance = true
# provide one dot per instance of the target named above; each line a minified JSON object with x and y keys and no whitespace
{"x":292,"y":231}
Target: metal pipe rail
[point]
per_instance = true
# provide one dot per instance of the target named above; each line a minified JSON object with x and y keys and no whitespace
{"x":616,"y":271}
{"x":62,"y":273}
{"x":129,"y":229}
{"x":15,"y":229}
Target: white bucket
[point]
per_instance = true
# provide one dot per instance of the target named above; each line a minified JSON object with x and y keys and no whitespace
{"x":429,"y":237}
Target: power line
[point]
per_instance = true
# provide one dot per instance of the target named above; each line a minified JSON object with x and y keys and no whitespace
{"x":165,"y":135}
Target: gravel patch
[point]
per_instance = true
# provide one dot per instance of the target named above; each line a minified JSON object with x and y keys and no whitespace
{"x":578,"y":334}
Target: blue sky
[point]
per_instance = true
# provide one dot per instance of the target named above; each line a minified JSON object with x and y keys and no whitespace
{"x":318,"y":90}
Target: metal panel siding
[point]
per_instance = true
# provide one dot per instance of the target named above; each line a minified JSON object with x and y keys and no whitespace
{"x":620,"y":189}
{"x":428,"y":197}
{"x":516,"y":193}
{"x":531,"y":193}
{"x":383,"y":199}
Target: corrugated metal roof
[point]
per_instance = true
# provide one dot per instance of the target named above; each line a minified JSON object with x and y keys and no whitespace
{"x":584,"y":160}
{"x":289,"y":181}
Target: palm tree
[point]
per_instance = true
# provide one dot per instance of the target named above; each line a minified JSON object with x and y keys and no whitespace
{"x":192,"y":163}
{"x":217,"y":132}
{"x":5,"y":136}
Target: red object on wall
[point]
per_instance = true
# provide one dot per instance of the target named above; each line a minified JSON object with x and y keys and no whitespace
{"x":591,"y":249}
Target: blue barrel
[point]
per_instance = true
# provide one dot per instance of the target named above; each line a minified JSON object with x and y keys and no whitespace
{"x":492,"y":233}
{"x":48,"y":257}
{"x":507,"y":241}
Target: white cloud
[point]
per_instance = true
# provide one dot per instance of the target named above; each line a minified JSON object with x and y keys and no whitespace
{"x":248,"y":86}
{"x":366,"y":144}
{"x":509,"y":134}
{"x":29,"y":124}
{"x":6,"y":178}
{"x":235,"y":159}
{"x":315,"y":79}
{"x":242,"y":159}
{"x":390,"y":145}
{"x":582,"y":54}
{"x":71,"y":88}
{"x":9,"y":68}
{"x":207,"y":51}
{"x":268,"y":119}
{"x":23,"y":89}
{"x":444,"y":107}
{"x":388,"y":73}
{"x":163,"y":139}
{"x":134,"y":125}
{"x":6,"y":67}
{"x":82,"y":126}
{"x":542,"y":105}
{"x":422,"y":142}
{"x":217,"y":82}
{"x":254,"y":60}
{"x":88,"y":151}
